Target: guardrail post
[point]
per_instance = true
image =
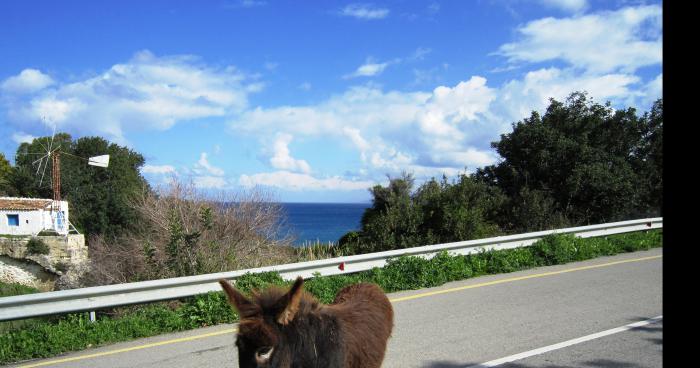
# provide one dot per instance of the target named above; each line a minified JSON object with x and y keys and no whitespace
{"x":93,"y":316}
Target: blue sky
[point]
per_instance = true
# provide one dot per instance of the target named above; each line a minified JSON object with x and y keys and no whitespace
{"x":314,"y":101}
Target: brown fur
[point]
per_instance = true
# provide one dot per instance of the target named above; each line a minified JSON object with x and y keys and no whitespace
{"x":352,"y":332}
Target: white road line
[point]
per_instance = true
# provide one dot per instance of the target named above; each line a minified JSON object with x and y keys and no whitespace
{"x":564,"y":344}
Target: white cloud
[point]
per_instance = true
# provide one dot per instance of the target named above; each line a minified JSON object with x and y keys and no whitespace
{"x":465,"y":101}
{"x":27,"y":81}
{"x":147,"y":92}
{"x":623,"y":40}
{"x":252,"y":3}
{"x":364,"y":11}
{"x":281,"y":159}
{"x":298,"y":182}
{"x":444,"y":129}
{"x":654,"y":89}
{"x":573,"y":6}
{"x":518,"y":98}
{"x":361,"y":107}
{"x":392,"y":131}
{"x":202,"y":174}
{"x":20,"y":138}
{"x":243,"y":4}
{"x":433,"y":8}
{"x":203,"y":165}
{"x":158,"y":169}
{"x":368,"y":69}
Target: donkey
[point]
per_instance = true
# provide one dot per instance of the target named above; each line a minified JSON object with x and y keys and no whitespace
{"x":292,"y":329}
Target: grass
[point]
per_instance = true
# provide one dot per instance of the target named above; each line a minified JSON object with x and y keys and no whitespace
{"x":58,"y":334}
{"x":311,"y":251}
{"x":8,"y":236}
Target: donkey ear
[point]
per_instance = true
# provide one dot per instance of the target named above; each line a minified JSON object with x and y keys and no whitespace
{"x":243,"y":305}
{"x":291,"y":300}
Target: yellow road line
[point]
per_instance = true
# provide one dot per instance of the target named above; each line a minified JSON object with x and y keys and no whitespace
{"x":146,"y":346}
{"x":395,"y":300}
{"x":423,"y":295}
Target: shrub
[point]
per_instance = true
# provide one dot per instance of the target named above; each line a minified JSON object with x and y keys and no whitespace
{"x":37,"y":246}
{"x":15,"y":289}
{"x":185,"y":231}
{"x":207,"y":310}
{"x":555,"y":249}
{"x":436,"y":212}
{"x":48,"y":232}
{"x":259,"y":281}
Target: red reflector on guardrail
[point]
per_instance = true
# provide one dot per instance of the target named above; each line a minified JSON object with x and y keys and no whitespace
{"x":341,"y":266}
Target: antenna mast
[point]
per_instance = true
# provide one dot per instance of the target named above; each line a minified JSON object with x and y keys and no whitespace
{"x":56,"y":178}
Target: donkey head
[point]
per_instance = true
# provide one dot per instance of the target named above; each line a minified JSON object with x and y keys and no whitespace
{"x":261,"y":340}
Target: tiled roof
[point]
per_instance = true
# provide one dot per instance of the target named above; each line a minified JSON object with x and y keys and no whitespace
{"x":10,"y":203}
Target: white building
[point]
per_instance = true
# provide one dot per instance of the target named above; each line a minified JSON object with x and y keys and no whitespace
{"x":29,"y":216}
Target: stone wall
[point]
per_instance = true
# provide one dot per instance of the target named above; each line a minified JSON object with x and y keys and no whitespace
{"x":61,"y":268}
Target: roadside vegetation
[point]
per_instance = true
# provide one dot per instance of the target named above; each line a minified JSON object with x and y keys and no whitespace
{"x":184,"y":232}
{"x":54,"y":335}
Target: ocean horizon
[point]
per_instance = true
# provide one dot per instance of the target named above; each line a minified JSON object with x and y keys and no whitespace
{"x":321,"y":222}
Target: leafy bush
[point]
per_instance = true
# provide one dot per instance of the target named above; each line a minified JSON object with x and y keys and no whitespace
{"x":37,"y":246}
{"x":556,"y":249}
{"x":15,"y":289}
{"x":259,"y":281}
{"x":437,"y":212}
{"x":48,"y":232}
{"x":207,"y":310}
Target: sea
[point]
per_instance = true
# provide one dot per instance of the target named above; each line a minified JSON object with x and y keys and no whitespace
{"x":312,"y":223}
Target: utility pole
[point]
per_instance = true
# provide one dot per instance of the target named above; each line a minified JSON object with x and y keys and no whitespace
{"x":56,"y":182}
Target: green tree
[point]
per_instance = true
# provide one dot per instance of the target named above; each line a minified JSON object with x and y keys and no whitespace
{"x":579,"y":163}
{"x":392,"y":221}
{"x":6,"y":187}
{"x":650,"y":159}
{"x":462,"y":210}
{"x":436,"y":212}
{"x":98,"y":197}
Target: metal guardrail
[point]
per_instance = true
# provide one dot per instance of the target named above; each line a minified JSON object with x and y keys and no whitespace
{"x":93,"y":298}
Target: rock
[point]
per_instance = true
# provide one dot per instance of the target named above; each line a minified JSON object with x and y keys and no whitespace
{"x":64,"y":263}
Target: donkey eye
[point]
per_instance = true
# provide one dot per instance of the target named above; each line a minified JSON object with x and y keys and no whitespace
{"x":265,"y":350}
{"x":263,"y":354}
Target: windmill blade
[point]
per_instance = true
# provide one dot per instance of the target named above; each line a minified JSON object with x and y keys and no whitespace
{"x":101,"y":161}
{"x":42,"y":145}
{"x":40,"y":159}
{"x":41,"y":181}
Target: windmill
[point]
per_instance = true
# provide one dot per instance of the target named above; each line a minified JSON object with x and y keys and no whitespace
{"x":52,"y":154}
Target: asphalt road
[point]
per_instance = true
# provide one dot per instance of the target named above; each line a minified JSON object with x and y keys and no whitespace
{"x":522,"y":316}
